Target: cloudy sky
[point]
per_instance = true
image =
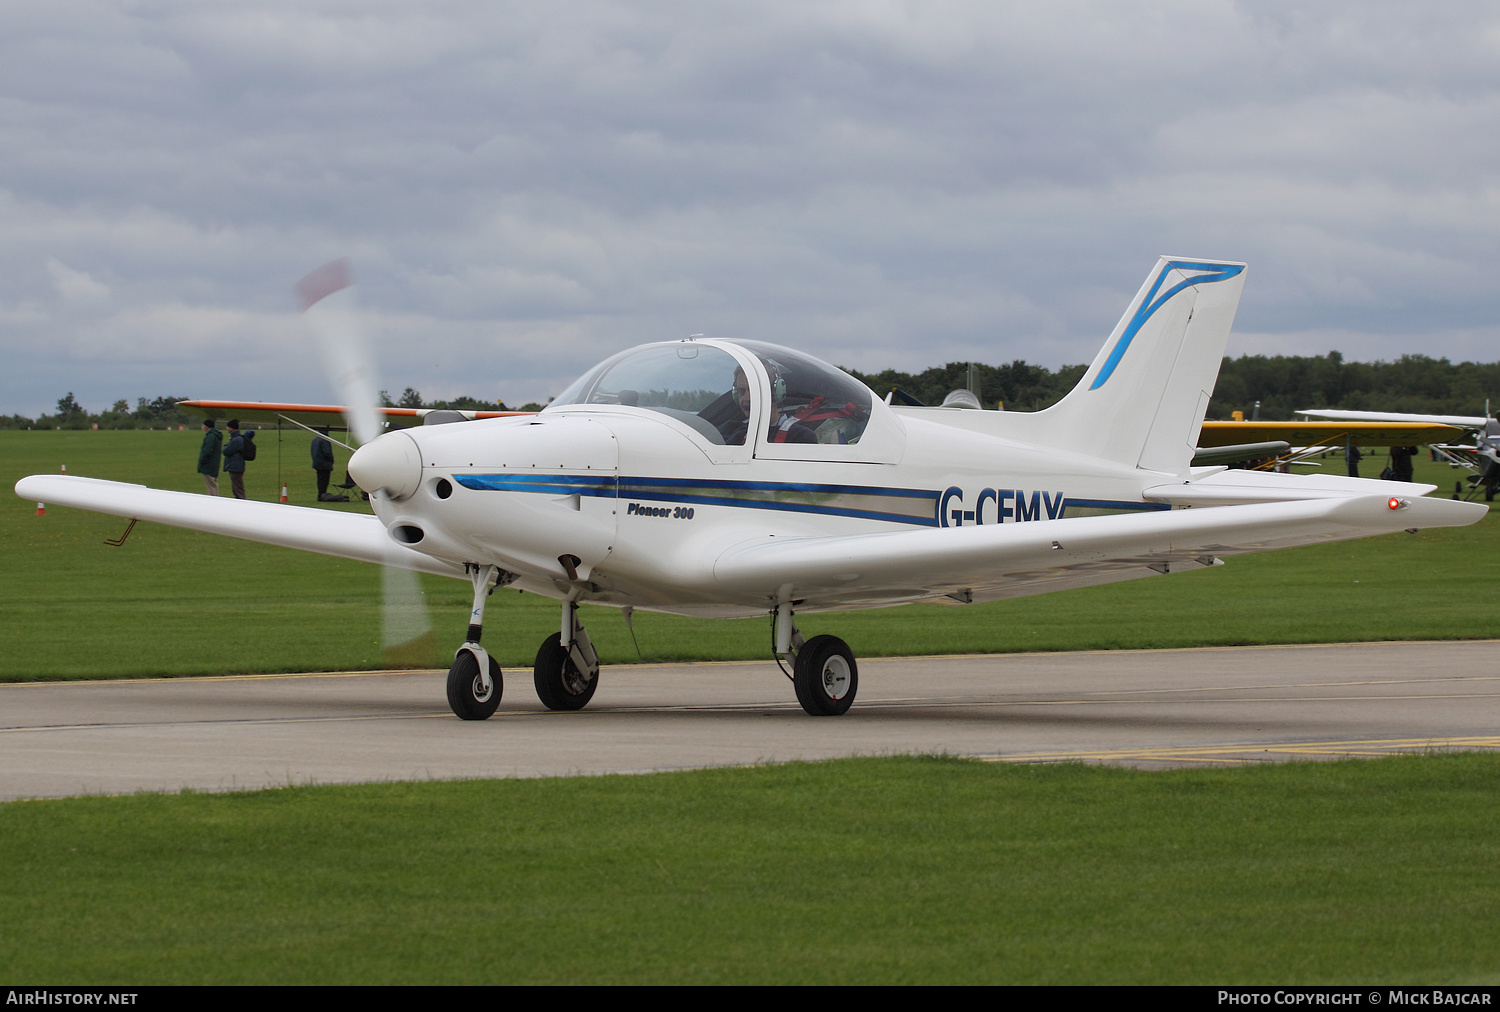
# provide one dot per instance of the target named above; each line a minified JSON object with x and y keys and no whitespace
{"x":523,"y":188}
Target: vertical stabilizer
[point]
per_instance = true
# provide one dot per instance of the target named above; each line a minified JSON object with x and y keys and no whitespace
{"x":1142,"y":401}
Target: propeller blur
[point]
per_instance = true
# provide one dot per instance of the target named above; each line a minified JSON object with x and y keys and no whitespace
{"x":730,"y":478}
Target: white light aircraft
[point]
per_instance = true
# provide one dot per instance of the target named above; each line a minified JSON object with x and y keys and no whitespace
{"x":730,"y":478}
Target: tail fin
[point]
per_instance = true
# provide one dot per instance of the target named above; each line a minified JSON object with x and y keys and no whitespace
{"x":1142,"y":401}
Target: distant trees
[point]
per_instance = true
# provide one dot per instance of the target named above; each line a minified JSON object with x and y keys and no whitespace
{"x":1412,"y":383}
{"x":67,"y":406}
{"x":157,"y":413}
{"x":1281,"y":383}
{"x":1020,"y":386}
{"x":413,"y":399}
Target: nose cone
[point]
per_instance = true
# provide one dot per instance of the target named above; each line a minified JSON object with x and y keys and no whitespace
{"x":390,"y":463}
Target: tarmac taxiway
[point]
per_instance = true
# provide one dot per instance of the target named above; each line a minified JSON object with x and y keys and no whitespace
{"x":1148,"y":708}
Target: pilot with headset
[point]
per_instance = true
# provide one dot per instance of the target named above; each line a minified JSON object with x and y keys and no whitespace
{"x":787,"y":428}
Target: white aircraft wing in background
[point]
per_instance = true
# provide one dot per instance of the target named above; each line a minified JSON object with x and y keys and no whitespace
{"x":1342,"y":415}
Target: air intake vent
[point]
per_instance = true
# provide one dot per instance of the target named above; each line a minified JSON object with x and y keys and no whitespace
{"x":407,"y":534}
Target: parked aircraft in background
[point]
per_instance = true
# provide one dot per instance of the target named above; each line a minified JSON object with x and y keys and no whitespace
{"x":1481,"y":459}
{"x":729,"y":478}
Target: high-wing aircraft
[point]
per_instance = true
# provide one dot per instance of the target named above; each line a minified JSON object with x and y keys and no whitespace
{"x":1482,"y":458}
{"x":729,"y":478}
{"x":305,"y":415}
{"x":1229,"y":442}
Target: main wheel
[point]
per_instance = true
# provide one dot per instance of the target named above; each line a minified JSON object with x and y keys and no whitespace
{"x":825,"y":676}
{"x":559,"y":683}
{"x":466,"y":689}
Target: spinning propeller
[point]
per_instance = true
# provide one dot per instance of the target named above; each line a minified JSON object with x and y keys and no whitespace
{"x":328,"y":304}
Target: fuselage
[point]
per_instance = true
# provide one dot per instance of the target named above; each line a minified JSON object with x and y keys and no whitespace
{"x":639,"y":500}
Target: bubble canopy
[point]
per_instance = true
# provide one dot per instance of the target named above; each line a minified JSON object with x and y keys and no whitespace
{"x":705,"y":386}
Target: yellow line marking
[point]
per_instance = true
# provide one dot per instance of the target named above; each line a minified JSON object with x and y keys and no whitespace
{"x":1237,"y":753}
{"x":945,"y":703}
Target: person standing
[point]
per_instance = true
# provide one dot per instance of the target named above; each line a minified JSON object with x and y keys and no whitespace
{"x":1352,"y":457}
{"x":234,"y":458}
{"x":322,"y":460}
{"x":1401,"y":467}
{"x":208,"y":456}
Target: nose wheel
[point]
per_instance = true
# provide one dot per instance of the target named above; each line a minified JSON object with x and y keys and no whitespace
{"x":474,"y":682}
{"x":472,"y":696}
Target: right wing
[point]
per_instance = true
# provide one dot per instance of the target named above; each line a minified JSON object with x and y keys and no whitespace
{"x":328,"y":532}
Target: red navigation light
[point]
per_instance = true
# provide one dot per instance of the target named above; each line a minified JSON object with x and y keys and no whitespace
{"x":1393,"y":503}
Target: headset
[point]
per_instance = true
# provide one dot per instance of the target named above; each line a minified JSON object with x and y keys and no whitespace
{"x":778,"y":382}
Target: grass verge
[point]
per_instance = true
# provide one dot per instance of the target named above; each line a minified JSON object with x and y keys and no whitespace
{"x":899,"y":870}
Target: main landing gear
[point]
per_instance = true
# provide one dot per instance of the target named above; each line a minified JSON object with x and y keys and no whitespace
{"x":823,"y":669}
{"x":567,"y":668}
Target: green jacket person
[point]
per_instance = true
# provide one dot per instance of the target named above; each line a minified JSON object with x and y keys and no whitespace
{"x":208,"y":456}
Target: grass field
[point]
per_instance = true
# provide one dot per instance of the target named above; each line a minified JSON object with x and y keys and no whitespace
{"x":860,"y":871}
{"x":177,"y":602}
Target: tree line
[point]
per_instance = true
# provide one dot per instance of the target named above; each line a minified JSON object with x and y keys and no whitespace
{"x":156,"y":413}
{"x":413,"y":399}
{"x":1280,"y":383}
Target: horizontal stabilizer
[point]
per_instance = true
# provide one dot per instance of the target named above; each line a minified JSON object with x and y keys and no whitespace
{"x":327,"y":532}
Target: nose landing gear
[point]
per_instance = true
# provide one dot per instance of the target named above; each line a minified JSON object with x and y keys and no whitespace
{"x":472,"y":696}
{"x":474,"y":681}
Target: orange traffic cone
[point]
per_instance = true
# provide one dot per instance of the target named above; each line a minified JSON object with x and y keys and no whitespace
{"x":41,"y":510}
{"x":283,"y":493}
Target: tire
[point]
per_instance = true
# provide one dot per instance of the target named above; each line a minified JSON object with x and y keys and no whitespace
{"x":559,"y":685}
{"x":825,"y":676}
{"x":464,"y":688}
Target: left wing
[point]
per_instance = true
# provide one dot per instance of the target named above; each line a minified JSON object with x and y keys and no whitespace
{"x":1012,"y":560}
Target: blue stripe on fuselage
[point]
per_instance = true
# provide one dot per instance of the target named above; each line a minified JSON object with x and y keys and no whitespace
{"x":920,"y":505}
